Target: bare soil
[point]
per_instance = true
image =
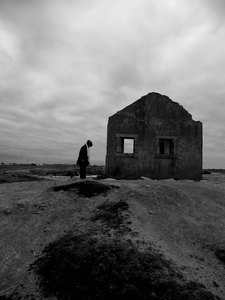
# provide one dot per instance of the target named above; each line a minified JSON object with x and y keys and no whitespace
{"x":182,"y":220}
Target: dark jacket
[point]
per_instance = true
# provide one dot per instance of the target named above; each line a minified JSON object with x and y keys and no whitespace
{"x":83,"y":156}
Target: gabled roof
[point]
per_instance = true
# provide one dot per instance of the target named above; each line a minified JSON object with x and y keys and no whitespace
{"x":158,"y":106}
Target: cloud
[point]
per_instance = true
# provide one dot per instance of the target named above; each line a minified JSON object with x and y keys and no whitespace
{"x":216,"y":9}
{"x":66,"y":66}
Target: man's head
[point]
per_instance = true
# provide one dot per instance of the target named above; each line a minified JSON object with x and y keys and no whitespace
{"x":89,"y":143}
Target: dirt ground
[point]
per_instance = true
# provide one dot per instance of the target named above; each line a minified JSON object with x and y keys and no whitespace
{"x":184,"y":220}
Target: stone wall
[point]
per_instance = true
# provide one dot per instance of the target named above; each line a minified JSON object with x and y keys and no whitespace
{"x":165,"y":141}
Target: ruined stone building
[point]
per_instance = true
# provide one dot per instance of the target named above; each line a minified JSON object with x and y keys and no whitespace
{"x":154,"y":137}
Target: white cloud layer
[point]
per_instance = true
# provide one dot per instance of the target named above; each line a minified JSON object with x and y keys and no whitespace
{"x":66,"y":66}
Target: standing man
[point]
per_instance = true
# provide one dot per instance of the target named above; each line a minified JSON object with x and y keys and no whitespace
{"x":83,"y":159}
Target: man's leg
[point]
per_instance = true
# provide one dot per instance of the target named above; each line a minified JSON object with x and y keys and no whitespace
{"x":82,"y":171}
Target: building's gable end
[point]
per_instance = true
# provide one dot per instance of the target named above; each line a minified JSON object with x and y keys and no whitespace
{"x":165,"y":142}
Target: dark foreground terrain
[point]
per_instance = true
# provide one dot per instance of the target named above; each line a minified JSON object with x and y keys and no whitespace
{"x":63,"y":238}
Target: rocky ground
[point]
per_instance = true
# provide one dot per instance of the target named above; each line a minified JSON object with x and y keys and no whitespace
{"x":178,"y":225}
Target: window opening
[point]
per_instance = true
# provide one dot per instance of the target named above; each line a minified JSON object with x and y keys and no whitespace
{"x":166,"y":146}
{"x":128,"y":145}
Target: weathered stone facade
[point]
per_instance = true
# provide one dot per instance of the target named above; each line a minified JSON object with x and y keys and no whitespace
{"x":154,"y":137}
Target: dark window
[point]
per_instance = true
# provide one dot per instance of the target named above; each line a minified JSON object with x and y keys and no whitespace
{"x":166,"y":146}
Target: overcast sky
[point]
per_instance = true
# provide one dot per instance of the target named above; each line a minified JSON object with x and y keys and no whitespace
{"x":67,"y":65}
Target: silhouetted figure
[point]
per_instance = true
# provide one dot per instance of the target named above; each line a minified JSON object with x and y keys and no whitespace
{"x":83,"y":158}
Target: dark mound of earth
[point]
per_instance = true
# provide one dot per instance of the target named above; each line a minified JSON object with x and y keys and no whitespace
{"x":85,"y":267}
{"x":86,"y":188}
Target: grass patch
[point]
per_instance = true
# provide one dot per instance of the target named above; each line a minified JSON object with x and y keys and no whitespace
{"x":83,"y":267}
{"x":91,"y":188}
{"x":111,"y":213}
{"x":85,"y":188}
